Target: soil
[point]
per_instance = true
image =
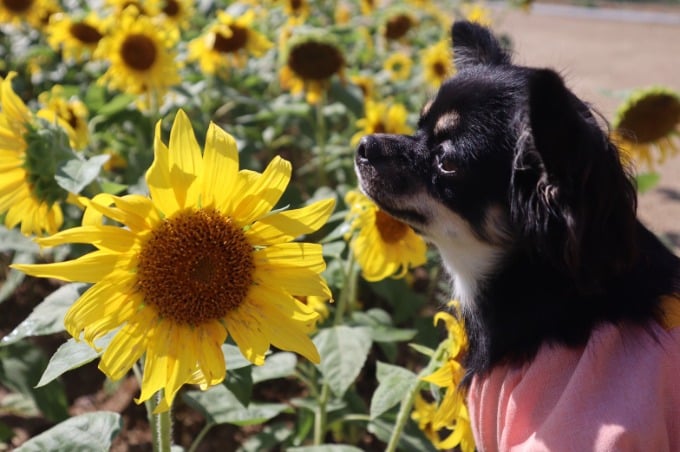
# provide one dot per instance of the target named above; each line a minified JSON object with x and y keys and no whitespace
{"x":601,"y":52}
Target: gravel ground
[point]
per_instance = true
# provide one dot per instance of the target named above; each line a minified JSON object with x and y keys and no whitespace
{"x":603,"y":52}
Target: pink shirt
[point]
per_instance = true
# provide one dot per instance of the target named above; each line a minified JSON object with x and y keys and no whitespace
{"x":621,"y":392}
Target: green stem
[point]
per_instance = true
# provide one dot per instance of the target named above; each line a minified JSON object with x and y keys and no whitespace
{"x":348,"y":295}
{"x":321,"y":141}
{"x":199,"y":438}
{"x":410,"y":397}
{"x":161,"y":426}
{"x":321,"y":415}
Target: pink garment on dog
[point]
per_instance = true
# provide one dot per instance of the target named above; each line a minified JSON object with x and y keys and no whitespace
{"x":621,"y":392}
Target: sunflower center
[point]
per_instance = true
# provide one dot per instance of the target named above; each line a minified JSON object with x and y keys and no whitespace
{"x":195,"y":267}
{"x":653,"y":117}
{"x":138,"y":52}
{"x":85,"y":33}
{"x":391,"y":230}
{"x":18,"y":6}
{"x":171,"y":8}
{"x":315,"y":60}
{"x":233,"y":43}
{"x":397,"y":26}
{"x":295,"y":5}
{"x":439,"y":68}
{"x":379,"y":127}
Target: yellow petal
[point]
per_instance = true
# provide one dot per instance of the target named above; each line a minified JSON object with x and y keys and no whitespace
{"x":158,"y":177}
{"x":245,"y":327}
{"x":182,"y":360}
{"x":293,"y":255}
{"x":91,"y":267}
{"x":220,"y":169}
{"x":12,"y":105}
{"x":111,"y":238}
{"x":285,"y":226}
{"x":261,"y":196}
{"x":210,"y":357}
{"x":186,"y":162}
{"x":297,"y":281}
{"x":128,"y":345}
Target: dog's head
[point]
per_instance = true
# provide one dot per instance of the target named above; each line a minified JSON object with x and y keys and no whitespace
{"x":505,"y":160}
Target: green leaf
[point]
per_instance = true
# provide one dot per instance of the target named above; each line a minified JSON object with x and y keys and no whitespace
{"x":86,"y":432}
{"x":380,"y":326}
{"x":411,"y":438}
{"x":15,"y":277}
{"x":76,"y":174}
{"x":14,"y":240}
{"x":48,"y":316}
{"x":240,"y":383}
{"x":270,"y":437}
{"x":233,"y":357}
{"x":647,"y":181}
{"x":325,"y":448}
{"x":343,"y":351}
{"x":394,"y":383}
{"x":71,"y":355}
{"x":116,"y":105}
{"x":277,"y":365}
{"x":220,"y":406}
{"x":6,"y":432}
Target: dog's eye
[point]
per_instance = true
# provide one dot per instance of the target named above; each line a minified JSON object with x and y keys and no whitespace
{"x":447,"y":165}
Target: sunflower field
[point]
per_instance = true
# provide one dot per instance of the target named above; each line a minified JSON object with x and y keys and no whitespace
{"x":187,"y":263}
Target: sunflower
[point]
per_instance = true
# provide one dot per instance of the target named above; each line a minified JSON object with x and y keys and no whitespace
{"x":648,"y":123}
{"x":178,"y":12}
{"x":297,"y":11}
{"x":447,"y":423}
{"x":28,"y":154}
{"x":365,"y":83}
{"x":227,"y":43}
{"x":368,"y":6}
{"x":76,"y":38}
{"x":70,"y":113}
{"x":200,"y":259}
{"x":17,"y":12}
{"x":398,"y":65}
{"x":474,"y":12}
{"x":438,"y":63}
{"x":312,"y":59}
{"x":382,"y":245}
{"x":141,"y":56}
{"x":382,"y":118}
{"x":397,"y":25}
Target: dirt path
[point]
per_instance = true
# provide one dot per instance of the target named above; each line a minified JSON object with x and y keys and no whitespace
{"x":602,"y":53}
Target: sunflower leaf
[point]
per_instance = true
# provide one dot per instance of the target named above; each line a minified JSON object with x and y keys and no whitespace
{"x":343,"y":351}
{"x":89,"y":431}
{"x":76,"y":174}
{"x":48,"y":316}
{"x":278,"y":365}
{"x":646,"y":181}
{"x":240,"y":383}
{"x":394,"y":382}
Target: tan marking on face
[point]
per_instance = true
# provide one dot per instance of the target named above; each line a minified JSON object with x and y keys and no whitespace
{"x":447,"y":122}
{"x":426,"y":107}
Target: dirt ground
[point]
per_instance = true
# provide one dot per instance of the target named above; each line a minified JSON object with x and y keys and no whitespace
{"x":603,"y":52}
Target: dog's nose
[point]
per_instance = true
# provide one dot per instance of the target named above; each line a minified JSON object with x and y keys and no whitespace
{"x":369,"y":148}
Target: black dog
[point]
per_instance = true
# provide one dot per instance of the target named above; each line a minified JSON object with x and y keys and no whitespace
{"x":516,"y":183}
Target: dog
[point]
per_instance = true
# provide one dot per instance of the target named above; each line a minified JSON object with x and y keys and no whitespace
{"x":571,"y":306}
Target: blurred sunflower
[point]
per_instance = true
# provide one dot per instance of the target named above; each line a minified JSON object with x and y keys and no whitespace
{"x":119,"y":6}
{"x":647,"y":126}
{"x":447,"y":422}
{"x":76,"y":38}
{"x":342,"y":14}
{"x":70,"y":113}
{"x":318,"y":304}
{"x":142,"y":58}
{"x":203,"y":257}
{"x":398,"y":65}
{"x":17,"y":12}
{"x":365,"y":83}
{"x":312,"y":59}
{"x":475,"y":12}
{"x":368,"y":6}
{"x":297,"y":11}
{"x":437,"y":63}
{"x":382,"y":245}
{"x":397,"y":25}
{"x":228,"y":42}
{"x":29,"y":152}
{"x":382,"y":117}
{"x":178,"y":12}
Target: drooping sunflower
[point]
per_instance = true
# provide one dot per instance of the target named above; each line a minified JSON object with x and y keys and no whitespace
{"x":398,"y":65}
{"x":437,"y":63}
{"x":312,"y":59}
{"x":382,"y":117}
{"x":17,"y":12}
{"x":70,"y":113}
{"x":29,"y":151}
{"x":382,"y":245}
{"x":201,"y":258}
{"x":141,"y":55}
{"x":228,"y":42}
{"x":647,"y":126}
{"x":446,"y":422}
{"x":76,"y":38}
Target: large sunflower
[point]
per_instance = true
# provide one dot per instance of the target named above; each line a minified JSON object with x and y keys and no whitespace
{"x":203,"y":257}
{"x":76,"y":38}
{"x":141,"y":56}
{"x":381,"y":117}
{"x":28,"y":193}
{"x":228,"y":42}
{"x":438,"y":63}
{"x":647,"y":126}
{"x":382,"y":245}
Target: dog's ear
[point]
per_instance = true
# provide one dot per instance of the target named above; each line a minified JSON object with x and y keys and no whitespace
{"x":571,"y":198}
{"x":474,"y":44}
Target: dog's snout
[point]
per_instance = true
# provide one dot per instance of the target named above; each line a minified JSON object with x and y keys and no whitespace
{"x":370,"y":148}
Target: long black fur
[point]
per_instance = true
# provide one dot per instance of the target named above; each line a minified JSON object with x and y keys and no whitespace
{"x":572,"y":254}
